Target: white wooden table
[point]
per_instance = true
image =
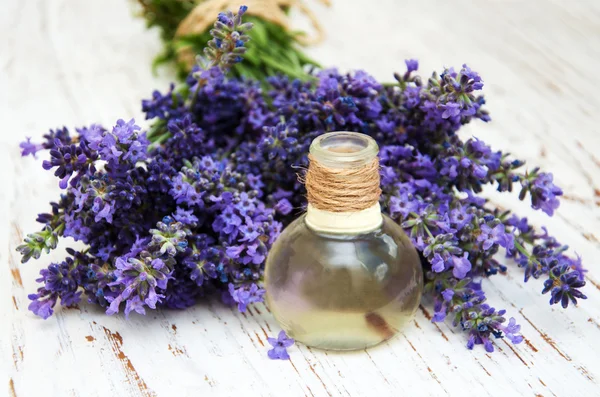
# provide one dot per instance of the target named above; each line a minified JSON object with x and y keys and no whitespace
{"x":73,"y":62}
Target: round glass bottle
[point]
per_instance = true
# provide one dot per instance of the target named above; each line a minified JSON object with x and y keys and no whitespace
{"x":340,"y":278}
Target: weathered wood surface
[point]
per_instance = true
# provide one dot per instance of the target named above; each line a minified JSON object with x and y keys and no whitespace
{"x":69,"y":62}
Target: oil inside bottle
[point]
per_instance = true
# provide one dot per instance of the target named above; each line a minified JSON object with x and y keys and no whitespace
{"x":343,"y":292}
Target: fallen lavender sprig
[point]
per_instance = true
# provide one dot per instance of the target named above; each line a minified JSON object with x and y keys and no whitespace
{"x":280,"y":345}
{"x":191,"y":207}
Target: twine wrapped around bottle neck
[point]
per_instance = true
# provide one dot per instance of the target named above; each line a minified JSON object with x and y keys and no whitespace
{"x":348,"y":189}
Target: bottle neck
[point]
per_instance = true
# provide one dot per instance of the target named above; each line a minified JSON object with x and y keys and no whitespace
{"x":342,"y":184}
{"x":357,"y":222}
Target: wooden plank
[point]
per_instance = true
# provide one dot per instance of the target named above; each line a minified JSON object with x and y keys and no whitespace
{"x":67,"y":62}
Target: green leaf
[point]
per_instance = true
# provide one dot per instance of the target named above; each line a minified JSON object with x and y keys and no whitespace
{"x":281,"y":67}
{"x":259,"y":35}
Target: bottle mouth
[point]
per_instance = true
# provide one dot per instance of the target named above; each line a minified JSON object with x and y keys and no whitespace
{"x":344,"y":149}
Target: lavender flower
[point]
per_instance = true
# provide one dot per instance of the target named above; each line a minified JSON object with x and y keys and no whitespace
{"x":284,"y":206}
{"x":563,"y":286}
{"x":280,"y":345}
{"x":35,"y":243}
{"x":490,"y":236}
{"x":461,"y":265}
{"x":59,"y":281}
{"x":60,"y":135}
{"x":69,"y":159}
{"x":163,"y":106}
{"x":246,"y":295}
{"x":279,"y":141}
{"x":139,"y":280}
{"x":229,"y":39}
{"x":412,"y":65}
{"x":544,"y":193}
{"x":27,"y":147}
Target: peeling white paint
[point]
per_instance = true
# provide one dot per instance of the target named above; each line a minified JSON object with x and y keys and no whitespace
{"x":68,"y":62}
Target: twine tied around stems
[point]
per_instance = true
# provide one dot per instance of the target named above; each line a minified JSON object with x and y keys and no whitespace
{"x":203,"y":16}
{"x":342,"y":189}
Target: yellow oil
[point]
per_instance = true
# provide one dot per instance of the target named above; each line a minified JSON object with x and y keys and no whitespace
{"x":343,"y":292}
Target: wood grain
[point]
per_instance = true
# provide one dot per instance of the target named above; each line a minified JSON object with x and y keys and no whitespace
{"x":69,"y":62}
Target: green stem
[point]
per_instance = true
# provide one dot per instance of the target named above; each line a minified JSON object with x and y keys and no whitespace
{"x":427,"y":230}
{"x":195,"y":96}
{"x":522,"y":249}
{"x":59,"y":229}
{"x":155,"y":129}
{"x":281,"y":67}
{"x":161,"y":139}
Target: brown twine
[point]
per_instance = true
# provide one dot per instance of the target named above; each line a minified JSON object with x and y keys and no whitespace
{"x":203,"y":16}
{"x":342,"y":189}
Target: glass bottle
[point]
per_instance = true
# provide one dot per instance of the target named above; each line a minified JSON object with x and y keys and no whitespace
{"x":343,"y":280}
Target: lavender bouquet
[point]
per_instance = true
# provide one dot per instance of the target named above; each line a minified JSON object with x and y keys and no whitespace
{"x":184,"y":27}
{"x":191,"y":207}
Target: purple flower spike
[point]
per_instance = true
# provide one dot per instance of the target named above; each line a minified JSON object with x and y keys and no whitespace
{"x":280,"y":345}
{"x":544,"y":193}
{"x":27,"y":147}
